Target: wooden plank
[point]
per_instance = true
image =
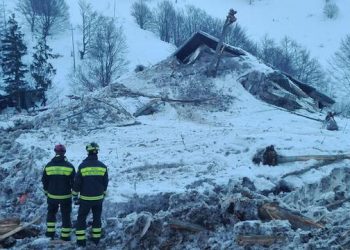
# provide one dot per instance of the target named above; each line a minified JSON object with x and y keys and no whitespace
{"x":264,"y":240}
{"x":6,"y":225}
{"x":180,"y":225}
{"x":336,"y":204}
{"x":19,"y":228}
{"x":271,"y":211}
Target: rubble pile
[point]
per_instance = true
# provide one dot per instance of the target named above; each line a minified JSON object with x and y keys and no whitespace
{"x":222,"y":217}
{"x":19,"y":176}
{"x":90,"y":112}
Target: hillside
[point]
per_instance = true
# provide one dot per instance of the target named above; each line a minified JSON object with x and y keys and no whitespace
{"x":299,"y":20}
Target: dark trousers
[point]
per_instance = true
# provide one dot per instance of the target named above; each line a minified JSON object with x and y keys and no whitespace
{"x":84,"y":209}
{"x":52,"y":209}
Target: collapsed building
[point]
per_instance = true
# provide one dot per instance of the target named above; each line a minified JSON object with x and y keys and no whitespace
{"x":274,"y":87}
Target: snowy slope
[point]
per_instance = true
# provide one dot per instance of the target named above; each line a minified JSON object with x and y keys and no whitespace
{"x":301,"y":20}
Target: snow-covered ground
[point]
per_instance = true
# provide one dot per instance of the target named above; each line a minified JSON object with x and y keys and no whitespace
{"x":173,"y":149}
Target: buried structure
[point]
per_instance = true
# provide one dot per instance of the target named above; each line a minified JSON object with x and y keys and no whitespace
{"x":273,"y":86}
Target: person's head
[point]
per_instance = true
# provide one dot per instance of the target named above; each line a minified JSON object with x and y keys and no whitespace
{"x":92,"y":148}
{"x":60,"y":149}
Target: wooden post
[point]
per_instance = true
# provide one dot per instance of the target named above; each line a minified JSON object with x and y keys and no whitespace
{"x":72,"y":29}
{"x":230,"y":19}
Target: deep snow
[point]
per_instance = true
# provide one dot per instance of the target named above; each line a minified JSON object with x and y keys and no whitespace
{"x":177,"y":147}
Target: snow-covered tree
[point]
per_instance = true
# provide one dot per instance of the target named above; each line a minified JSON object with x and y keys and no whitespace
{"x":41,"y":69}
{"x":13,"y":49}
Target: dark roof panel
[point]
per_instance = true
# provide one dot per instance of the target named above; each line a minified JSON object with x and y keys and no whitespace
{"x":202,"y":38}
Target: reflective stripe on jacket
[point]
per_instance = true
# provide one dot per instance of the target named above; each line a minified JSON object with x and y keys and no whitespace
{"x":91,"y":180}
{"x":58,"y":177}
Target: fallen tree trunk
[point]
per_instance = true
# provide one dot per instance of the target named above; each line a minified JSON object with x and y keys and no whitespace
{"x":336,"y":204}
{"x":302,"y":171}
{"x":285,"y":159}
{"x":130,"y":93}
{"x":271,"y":211}
{"x":180,"y":225}
{"x":8,"y":225}
{"x":264,"y":240}
{"x":18,"y":229}
{"x":269,"y":156}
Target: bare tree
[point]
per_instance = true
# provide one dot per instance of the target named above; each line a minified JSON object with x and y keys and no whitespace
{"x":340,"y":62}
{"x":238,"y":37}
{"x":52,"y":17}
{"x":44,"y":16}
{"x":195,"y":18}
{"x":269,"y":51}
{"x":331,"y":10}
{"x":142,"y":14}
{"x":165,"y":14}
{"x":177,"y":30}
{"x":28,"y":9}
{"x":106,"y":59}
{"x":290,"y":57}
{"x":89,"y":19}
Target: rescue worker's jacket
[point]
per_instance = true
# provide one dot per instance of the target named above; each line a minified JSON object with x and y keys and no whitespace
{"x":91,"y":180}
{"x":58,"y":177}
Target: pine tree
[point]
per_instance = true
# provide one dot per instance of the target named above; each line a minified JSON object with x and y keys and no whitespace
{"x":41,"y":69}
{"x":13,"y":49}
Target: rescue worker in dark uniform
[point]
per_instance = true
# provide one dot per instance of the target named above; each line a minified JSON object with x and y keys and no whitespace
{"x":90,"y":184}
{"x":58,"y":178}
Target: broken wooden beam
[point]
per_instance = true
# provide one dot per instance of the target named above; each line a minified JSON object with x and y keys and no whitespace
{"x":271,"y":211}
{"x":147,"y":226}
{"x":19,"y":228}
{"x":186,"y":226}
{"x":147,"y":109}
{"x":337,"y":204}
{"x":6,"y":225}
{"x":263,"y":240}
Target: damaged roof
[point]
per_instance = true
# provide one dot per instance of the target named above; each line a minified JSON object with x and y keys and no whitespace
{"x":201,"y":38}
{"x":280,"y":88}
